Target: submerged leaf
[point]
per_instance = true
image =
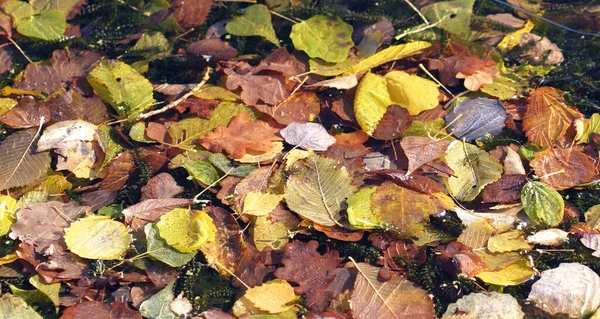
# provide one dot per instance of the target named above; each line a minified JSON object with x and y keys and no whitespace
{"x":492,"y":305}
{"x":308,"y":136}
{"x":371,"y":101}
{"x":453,"y":16}
{"x":273,"y":296}
{"x":543,"y":205}
{"x":325,"y":37}
{"x":392,"y":53}
{"x":15,"y":307}
{"x":412,"y":92}
{"x":563,"y":168}
{"x":157,"y":306}
{"x":477,"y":118}
{"x":256,"y":20}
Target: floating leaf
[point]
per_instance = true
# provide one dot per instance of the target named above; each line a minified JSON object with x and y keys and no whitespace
{"x":371,"y":101}
{"x":35,"y":22}
{"x":473,"y":167}
{"x":157,"y":306}
{"x":325,"y":37}
{"x":121,"y":86}
{"x":273,"y":296}
{"x":256,"y":20}
{"x":15,"y":307}
{"x":308,"y":136}
{"x":412,"y":92}
{"x":260,"y":204}
{"x":392,"y":53}
{"x":587,"y":127}
{"x":548,"y":237}
{"x":98,"y":237}
{"x":563,"y":168}
{"x":512,"y":275}
{"x":394,"y":122}
{"x":316,"y":190}
{"x":570,"y":289}
{"x":592,"y":217}
{"x":509,"y":241}
{"x":396,"y":298}
{"x":20,"y":164}
{"x":548,"y":117}
{"x":227,"y":250}
{"x":453,"y":16}
{"x":486,"y":305}
{"x":477,"y":118}
{"x":543,"y":205}
{"x":159,"y":249}
{"x":186,"y":229}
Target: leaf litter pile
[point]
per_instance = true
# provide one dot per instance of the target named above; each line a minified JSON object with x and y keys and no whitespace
{"x":284,"y":159}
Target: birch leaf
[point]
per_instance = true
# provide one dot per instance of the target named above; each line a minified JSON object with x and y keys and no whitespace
{"x":397,"y":298}
{"x":98,"y":237}
{"x":325,"y":37}
{"x":256,"y":20}
{"x":20,"y":165}
{"x":473,"y":167}
{"x":543,"y":205}
{"x":316,"y":189}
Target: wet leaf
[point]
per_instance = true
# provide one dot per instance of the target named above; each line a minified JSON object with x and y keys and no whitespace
{"x":421,"y":150}
{"x":269,"y":89}
{"x":543,"y":205}
{"x":316,"y":190}
{"x":256,"y":20}
{"x":473,"y":168}
{"x":562,"y":168}
{"x":571,"y":289}
{"x":159,"y":249}
{"x":394,"y":122}
{"x":412,"y":92}
{"x":191,"y":13}
{"x":454,"y":16}
{"x":512,"y":275}
{"x":157,"y":306}
{"x":260,"y":204}
{"x":33,"y":22}
{"x":392,"y":53}
{"x":50,"y":290}
{"x":273,"y":296}
{"x":228,"y":247}
{"x":476,"y":119}
{"x":17,"y":152}
{"x":201,"y":171}
{"x":186,"y":229}
{"x":486,"y":305}
{"x":7,"y":211}
{"x":509,"y":241}
{"x":548,"y":237}
{"x":15,"y":307}
{"x":360,"y":209}
{"x":324,"y":37}
{"x":371,"y":101}
{"x":28,"y":113}
{"x":307,"y":136}
{"x":99,"y":309}
{"x":98,"y":237}
{"x":505,"y":190}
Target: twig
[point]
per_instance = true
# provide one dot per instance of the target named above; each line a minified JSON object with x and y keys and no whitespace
{"x":434,"y":79}
{"x":179,"y":100}
{"x":19,"y":48}
{"x":412,"y":6}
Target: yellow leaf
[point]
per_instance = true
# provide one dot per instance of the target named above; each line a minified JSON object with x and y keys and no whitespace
{"x":274,"y":296}
{"x":98,"y":237}
{"x":392,"y":53}
{"x":50,"y":290}
{"x":412,"y":92}
{"x":509,"y":241}
{"x":360,"y":212}
{"x":477,"y":234}
{"x":515,"y":274}
{"x":371,"y":101}
{"x":186,"y":229}
{"x":272,"y":234}
{"x":513,"y":39}
{"x":254,"y":158}
{"x":8,"y":259}
{"x":260,"y":204}
{"x":7,"y":209}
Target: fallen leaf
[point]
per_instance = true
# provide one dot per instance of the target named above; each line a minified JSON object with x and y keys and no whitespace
{"x":28,"y":113}
{"x":71,"y":105}
{"x":592,"y":241}
{"x":186,"y":229}
{"x":162,"y":185}
{"x":256,"y":20}
{"x":412,"y":92}
{"x":191,"y":13}
{"x":16,"y":307}
{"x":228,"y":248}
{"x":548,"y":237}
{"x":17,"y":152}
{"x":324,"y":37}
{"x":507,"y":189}
{"x":371,"y":101}
{"x":341,"y":83}
{"x":563,"y":168}
{"x":571,"y":289}
{"x":476,"y":119}
{"x":512,"y":275}
{"x":510,"y":241}
{"x":421,"y":150}
{"x":216,"y":48}
{"x":159,"y":249}
{"x":540,"y":50}
{"x":486,"y":305}
{"x":150,"y":210}
{"x":543,"y":205}
{"x":117,"y":172}
{"x":457,"y":258}
{"x":241,"y":136}
{"x":452,"y":16}
{"x":300,"y":107}
{"x":260,"y":204}
{"x":393,"y":124}
{"x":157,"y":306}
{"x":269,"y":89}
{"x":307,"y":136}
{"x":98,"y":237}
{"x":274,"y":296}
{"x":392,"y":53}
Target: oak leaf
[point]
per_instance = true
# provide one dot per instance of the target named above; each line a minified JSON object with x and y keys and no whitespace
{"x":241,"y":136}
{"x":563,"y":168}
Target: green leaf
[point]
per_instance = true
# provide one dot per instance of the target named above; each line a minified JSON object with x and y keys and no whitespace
{"x":157,"y":306}
{"x":256,"y":20}
{"x":455,"y":16}
{"x":151,"y":44}
{"x":371,"y":101}
{"x":20,"y":164}
{"x":587,"y":127}
{"x":186,"y":132}
{"x":64,"y":6}
{"x":15,"y":307}
{"x":316,"y":190}
{"x":18,"y":9}
{"x":392,"y":53}
{"x":473,"y":169}
{"x":121,"y":86}
{"x":360,"y":213}
{"x":543,"y":205}
{"x":110,"y":144}
{"x":50,"y":290}
{"x":6,"y":104}
{"x":201,"y":171}
{"x":49,"y":25}
{"x":159,"y":249}
{"x":514,"y":81}
{"x":223,"y":163}
{"x":138,"y":133}
{"x":98,"y":237}
{"x":325,"y":37}
{"x":186,"y":229}
{"x":412,"y":92}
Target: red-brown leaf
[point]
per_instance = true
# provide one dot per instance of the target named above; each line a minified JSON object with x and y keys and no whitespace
{"x":549,"y":165}
{"x":505,"y":190}
{"x":28,"y":113}
{"x":98,"y":309}
{"x":395,"y":121}
{"x":421,"y":150}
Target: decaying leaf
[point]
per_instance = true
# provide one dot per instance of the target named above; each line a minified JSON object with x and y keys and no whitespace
{"x":20,"y":164}
{"x":477,"y":118}
{"x":562,"y":168}
{"x":421,"y":150}
{"x":394,"y":122}
{"x":543,"y":205}
{"x":307,"y":136}
{"x":324,"y":37}
{"x":491,"y":305}
{"x":186,"y":229}
{"x":256,"y":20}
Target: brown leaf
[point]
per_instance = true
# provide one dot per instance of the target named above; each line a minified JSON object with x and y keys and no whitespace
{"x":66,"y":68}
{"x":190,"y":13}
{"x":540,"y":50}
{"x":563,"y":168}
{"x":241,"y":136}
{"x":340,"y":233}
{"x":162,"y":185}
{"x":281,"y":61}
{"x":150,"y":210}
{"x":457,"y":258}
{"x":300,"y":107}
{"x":505,"y":190}
{"x":228,"y":247}
{"x":41,"y":224}
{"x":6,"y":54}
{"x":98,"y":199}
{"x":548,"y":118}
{"x":71,"y":105}
{"x":28,"y":113}
{"x":61,"y":265}
{"x":117,"y":172}
{"x":216,"y":48}
{"x":254,"y":267}
{"x":421,"y":150}
{"x":98,"y":309}
{"x":304,"y":266}
{"x":161,"y":274}
{"x":202,"y":108}
{"x":256,"y":181}
{"x":419,"y":183}
{"x":266,"y":88}
{"x":395,"y":121}
{"x":349,"y":151}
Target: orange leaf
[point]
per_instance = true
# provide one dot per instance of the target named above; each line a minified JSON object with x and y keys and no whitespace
{"x":241,"y":136}
{"x":549,"y":165}
{"x":548,"y":118}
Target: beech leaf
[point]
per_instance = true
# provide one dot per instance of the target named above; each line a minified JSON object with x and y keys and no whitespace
{"x":20,"y":164}
{"x":98,"y":237}
{"x":316,"y":190}
{"x":256,"y":20}
{"x":325,"y":37}
{"x":477,"y":118}
{"x":308,"y":136}
{"x":543,"y":205}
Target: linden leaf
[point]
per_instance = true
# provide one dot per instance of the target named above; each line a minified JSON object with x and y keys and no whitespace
{"x":256,"y":20}
{"x":548,"y":118}
{"x":421,"y":150}
{"x":389,"y":54}
{"x":260,"y":204}
{"x":476,"y":119}
{"x":512,"y":275}
{"x":486,"y":305}
{"x":316,"y":189}
{"x":241,"y":136}
{"x":473,"y":167}
{"x":273,"y":296}
{"x":98,"y":237}
{"x":543,"y":205}
{"x":17,"y":152}
{"x":453,"y":16}
{"x":121,"y":86}
{"x":308,"y":136}
{"x":371,"y":101}
{"x":412,"y":92}
{"x":325,"y":37}
{"x":159,"y":249}
{"x":186,"y":229}
{"x":397,"y":298}
{"x":563,"y":168}
{"x":571,"y":289}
